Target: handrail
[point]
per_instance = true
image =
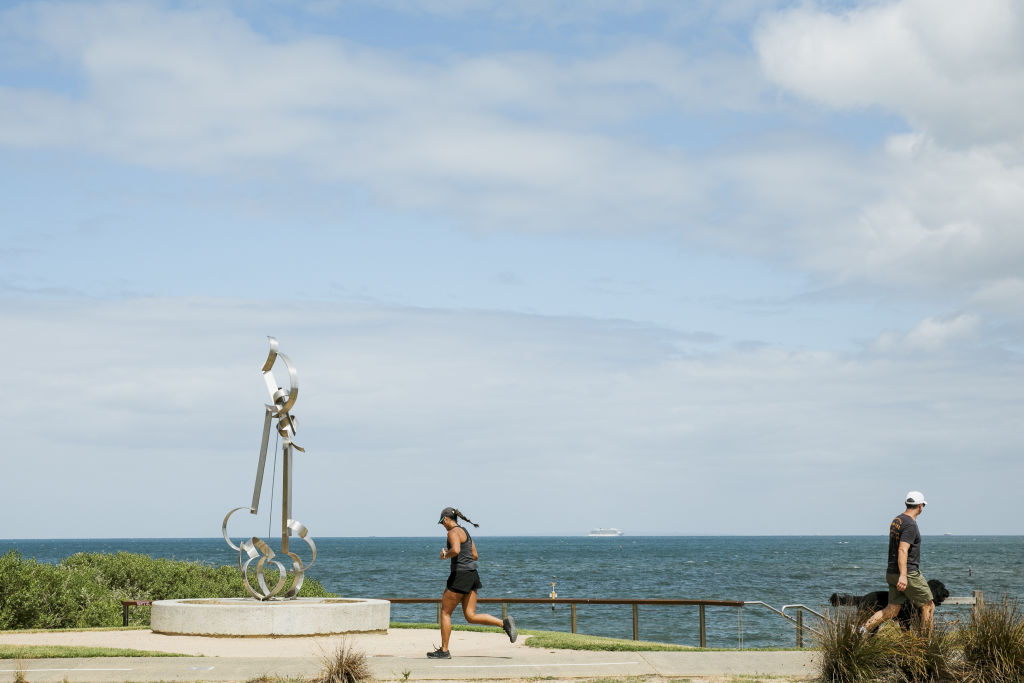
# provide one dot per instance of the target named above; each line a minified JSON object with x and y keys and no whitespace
{"x":799,"y":620}
{"x":803,"y":607}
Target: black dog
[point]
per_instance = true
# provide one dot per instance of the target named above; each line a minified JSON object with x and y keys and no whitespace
{"x":872,"y":602}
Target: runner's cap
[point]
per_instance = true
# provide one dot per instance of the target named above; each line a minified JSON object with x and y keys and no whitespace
{"x":916,"y":498}
{"x":447,"y":512}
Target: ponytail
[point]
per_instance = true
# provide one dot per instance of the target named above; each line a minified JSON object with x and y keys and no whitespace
{"x":459,"y":515}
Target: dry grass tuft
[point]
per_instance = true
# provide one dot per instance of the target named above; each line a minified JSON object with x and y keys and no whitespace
{"x":916,"y":657}
{"x":344,"y":665}
{"x":846,"y":653}
{"x":993,"y":643}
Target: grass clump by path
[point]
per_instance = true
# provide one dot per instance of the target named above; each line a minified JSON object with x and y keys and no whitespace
{"x":846,"y":653}
{"x":344,"y":665}
{"x":993,"y":643}
{"x":988,"y":649}
{"x":66,"y":651}
{"x":86,"y":589}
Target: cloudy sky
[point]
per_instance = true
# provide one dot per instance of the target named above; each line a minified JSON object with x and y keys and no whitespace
{"x":720,"y":267}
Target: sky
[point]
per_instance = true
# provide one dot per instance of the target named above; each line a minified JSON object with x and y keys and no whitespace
{"x":707,"y":267}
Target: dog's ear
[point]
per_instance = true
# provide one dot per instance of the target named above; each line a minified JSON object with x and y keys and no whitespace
{"x":833,"y":599}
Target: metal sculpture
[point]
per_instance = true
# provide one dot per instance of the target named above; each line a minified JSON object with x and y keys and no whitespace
{"x":255,"y":549}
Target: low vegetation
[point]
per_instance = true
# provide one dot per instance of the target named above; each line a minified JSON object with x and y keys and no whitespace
{"x":68,"y":651}
{"x":85,"y":590}
{"x":989,"y":648}
{"x":344,"y":665}
{"x":993,"y":643}
{"x":575,"y":641}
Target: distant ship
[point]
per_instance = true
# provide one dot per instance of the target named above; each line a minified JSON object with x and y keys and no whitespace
{"x":604,"y":532}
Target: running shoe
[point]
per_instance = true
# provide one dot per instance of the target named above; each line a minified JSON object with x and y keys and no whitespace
{"x":508,"y":625}
{"x":439,"y":654}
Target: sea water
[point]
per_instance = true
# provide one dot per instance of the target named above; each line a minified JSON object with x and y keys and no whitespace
{"x":778,"y":570}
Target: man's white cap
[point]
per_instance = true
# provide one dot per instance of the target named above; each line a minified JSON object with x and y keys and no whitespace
{"x":916,"y":498}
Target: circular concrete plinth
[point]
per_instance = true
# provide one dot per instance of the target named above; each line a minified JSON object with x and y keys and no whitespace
{"x":248,"y":617}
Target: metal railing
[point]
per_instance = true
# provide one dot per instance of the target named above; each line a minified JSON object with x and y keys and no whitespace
{"x":797,"y":620}
{"x":573,"y":602}
{"x":975,"y":600}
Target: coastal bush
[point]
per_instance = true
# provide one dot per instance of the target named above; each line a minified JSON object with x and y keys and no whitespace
{"x":39,"y":595}
{"x":993,"y":643}
{"x":345,"y":665}
{"x":916,"y":657}
{"x":86,"y":589}
{"x":848,"y":654}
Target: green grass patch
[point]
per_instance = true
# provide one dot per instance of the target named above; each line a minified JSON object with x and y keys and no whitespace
{"x":65,"y":651}
{"x":84,"y":629}
{"x":559,"y":640}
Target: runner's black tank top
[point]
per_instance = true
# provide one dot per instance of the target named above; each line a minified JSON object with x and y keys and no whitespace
{"x":464,"y":562}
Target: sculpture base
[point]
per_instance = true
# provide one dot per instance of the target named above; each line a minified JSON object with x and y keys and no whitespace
{"x":248,"y":617}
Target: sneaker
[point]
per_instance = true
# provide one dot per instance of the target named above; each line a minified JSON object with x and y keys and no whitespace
{"x":439,"y":654}
{"x":508,"y":625}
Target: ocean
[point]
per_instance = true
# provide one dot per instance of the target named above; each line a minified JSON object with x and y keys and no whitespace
{"x":778,"y":570}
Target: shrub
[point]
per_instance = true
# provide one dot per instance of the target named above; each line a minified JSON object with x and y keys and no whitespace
{"x":847,"y":654}
{"x":86,"y":589}
{"x":993,"y":643}
{"x":916,"y":657}
{"x":344,"y":665}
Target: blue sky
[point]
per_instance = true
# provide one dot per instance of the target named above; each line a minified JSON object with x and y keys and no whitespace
{"x":680,"y":268}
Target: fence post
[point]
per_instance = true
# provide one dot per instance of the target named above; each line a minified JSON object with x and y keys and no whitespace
{"x":636,"y":623}
{"x":800,"y":628}
{"x":439,"y":612}
{"x":572,"y":610}
{"x":703,"y":632}
{"x":504,"y":610}
{"x":979,"y":601}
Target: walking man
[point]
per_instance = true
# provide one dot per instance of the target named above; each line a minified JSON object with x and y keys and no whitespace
{"x":903,"y":572}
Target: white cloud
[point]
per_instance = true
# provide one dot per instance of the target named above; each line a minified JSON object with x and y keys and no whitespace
{"x":941,"y":205}
{"x":955,"y":70}
{"x":396,"y":399}
{"x":505,"y":140}
{"x":931,"y":334}
{"x":1002,"y":297}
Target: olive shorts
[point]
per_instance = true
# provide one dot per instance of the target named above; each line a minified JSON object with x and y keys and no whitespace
{"x":917,"y":590}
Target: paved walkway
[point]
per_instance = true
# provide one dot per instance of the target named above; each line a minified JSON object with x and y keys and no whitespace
{"x":398,"y":655}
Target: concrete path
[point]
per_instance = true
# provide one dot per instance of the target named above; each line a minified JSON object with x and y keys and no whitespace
{"x":398,"y":655}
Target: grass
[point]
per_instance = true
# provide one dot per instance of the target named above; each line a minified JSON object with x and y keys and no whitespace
{"x":559,"y":640}
{"x":344,"y":665}
{"x":846,"y":653}
{"x":66,"y":651}
{"x":988,"y":649}
{"x":993,"y":643}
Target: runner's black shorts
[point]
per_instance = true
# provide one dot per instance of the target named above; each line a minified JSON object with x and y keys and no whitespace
{"x":464,"y":582}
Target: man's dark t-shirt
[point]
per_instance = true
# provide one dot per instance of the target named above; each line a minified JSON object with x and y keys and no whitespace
{"x":904,"y":528}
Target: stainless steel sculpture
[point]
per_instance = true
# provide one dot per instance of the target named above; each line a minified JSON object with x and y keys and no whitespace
{"x":256,"y":549}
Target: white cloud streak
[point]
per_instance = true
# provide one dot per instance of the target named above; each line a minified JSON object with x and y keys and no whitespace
{"x":404,"y":397}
